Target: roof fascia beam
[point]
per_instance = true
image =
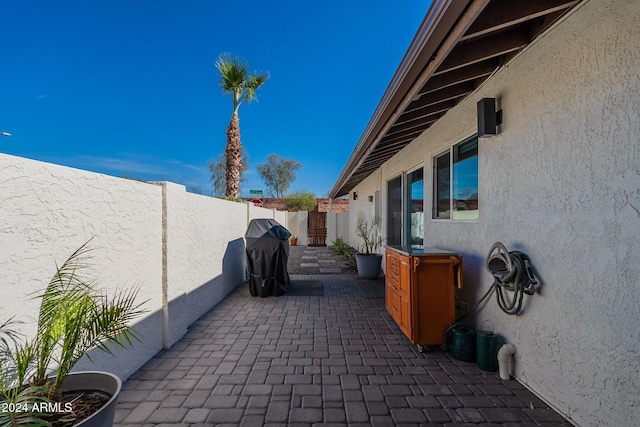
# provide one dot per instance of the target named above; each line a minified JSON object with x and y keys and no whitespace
{"x":423,"y":112}
{"x":489,"y":47}
{"x":501,"y":14}
{"x":445,"y":94}
{"x":461,"y":75}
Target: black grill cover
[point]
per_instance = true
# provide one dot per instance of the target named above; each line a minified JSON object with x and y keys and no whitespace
{"x":267,"y":254}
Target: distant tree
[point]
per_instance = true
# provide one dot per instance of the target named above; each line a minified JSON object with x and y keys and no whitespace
{"x":218,"y":169}
{"x":195,"y":189}
{"x":236,"y":81}
{"x":278,"y":173}
{"x":302,"y":200}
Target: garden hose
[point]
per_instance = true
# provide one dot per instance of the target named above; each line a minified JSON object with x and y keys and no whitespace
{"x":512,"y":272}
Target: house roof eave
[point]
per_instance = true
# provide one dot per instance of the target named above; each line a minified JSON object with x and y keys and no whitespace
{"x":434,"y":27}
{"x":458,"y":46}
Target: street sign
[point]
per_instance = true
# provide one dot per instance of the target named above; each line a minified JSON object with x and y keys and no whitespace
{"x":256,"y":202}
{"x":256,"y":192}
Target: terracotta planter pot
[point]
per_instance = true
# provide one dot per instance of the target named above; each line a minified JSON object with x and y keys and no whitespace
{"x":96,"y":380}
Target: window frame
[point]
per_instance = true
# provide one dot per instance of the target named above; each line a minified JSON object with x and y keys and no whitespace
{"x":434,"y":202}
{"x":389,"y":213}
{"x":405,"y":223}
{"x":407,"y":209}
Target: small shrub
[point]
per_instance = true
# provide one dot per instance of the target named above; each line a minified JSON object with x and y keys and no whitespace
{"x":342,"y":248}
{"x":369,"y":231}
{"x":301,"y":200}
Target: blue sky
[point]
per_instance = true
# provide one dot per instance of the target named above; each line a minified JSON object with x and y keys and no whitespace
{"x":130,"y":88}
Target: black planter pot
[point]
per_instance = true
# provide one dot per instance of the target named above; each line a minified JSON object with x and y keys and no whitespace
{"x":96,"y":380}
{"x":369,"y":265}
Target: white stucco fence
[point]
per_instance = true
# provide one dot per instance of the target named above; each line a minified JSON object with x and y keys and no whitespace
{"x":337,"y":226}
{"x":185,"y":251}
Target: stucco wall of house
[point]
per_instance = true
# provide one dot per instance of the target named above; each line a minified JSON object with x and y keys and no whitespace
{"x":185,"y":251}
{"x":561,"y":182}
{"x":360,"y":204}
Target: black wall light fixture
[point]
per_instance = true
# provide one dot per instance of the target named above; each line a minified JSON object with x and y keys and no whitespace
{"x":355,"y":195}
{"x":488,"y":117}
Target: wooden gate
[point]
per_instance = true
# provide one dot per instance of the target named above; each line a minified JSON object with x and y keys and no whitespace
{"x":317,"y":228}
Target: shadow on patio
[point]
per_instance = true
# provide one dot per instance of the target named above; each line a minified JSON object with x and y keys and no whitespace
{"x":326,"y":353}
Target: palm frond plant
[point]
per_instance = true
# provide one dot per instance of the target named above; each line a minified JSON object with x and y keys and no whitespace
{"x":16,"y":360}
{"x":241,"y":85}
{"x":75,"y":317}
{"x":369,"y":230}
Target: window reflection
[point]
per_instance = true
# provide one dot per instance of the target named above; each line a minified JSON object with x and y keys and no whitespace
{"x":465,"y":180}
{"x":394,"y":211}
{"x":415,"y":208}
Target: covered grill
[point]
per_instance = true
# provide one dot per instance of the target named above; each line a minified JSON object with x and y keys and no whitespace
{"x":267,"y":254}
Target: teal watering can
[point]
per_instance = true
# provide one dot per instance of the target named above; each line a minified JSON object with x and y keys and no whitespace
{"x":460,"y":338}
{"x":487,"y":349}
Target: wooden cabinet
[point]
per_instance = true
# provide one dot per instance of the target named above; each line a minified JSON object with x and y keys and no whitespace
{"x":397,"y":293}
{"x":419,"y":291}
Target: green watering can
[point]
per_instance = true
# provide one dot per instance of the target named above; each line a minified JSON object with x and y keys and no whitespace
{"x":462,"y":342}
{"x":487,"y":349}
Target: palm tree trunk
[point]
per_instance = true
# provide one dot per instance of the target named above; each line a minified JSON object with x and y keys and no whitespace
{"x":234,"y":157}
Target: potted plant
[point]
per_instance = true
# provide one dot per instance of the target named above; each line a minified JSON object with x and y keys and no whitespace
{"x":367,"y":260}
{"x":293,"y":240}
{"x":74,"y":318}
{"x":12,"y":372}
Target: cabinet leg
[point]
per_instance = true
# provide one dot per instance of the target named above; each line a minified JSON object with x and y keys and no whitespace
{"x":421,"y":348}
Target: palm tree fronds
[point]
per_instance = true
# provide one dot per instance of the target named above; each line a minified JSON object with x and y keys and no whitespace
{"x":75,"y":317}
{"x":23,"y":398}
{"x":236,"y":80}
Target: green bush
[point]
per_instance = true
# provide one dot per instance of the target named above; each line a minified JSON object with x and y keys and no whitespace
{"x":342,"y":248}
{"x":369,"y":231}
{"x":301,"y":200}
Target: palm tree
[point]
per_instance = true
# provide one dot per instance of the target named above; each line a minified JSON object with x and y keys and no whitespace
{"x":236,"y":81}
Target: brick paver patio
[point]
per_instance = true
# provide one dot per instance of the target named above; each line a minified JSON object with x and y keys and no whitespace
{"x":331,"y":360}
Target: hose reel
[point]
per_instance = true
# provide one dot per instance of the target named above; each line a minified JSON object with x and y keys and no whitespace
{"x":512,"y":272}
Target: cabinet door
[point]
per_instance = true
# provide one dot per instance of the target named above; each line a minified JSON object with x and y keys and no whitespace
{"x":433,"y":298}
{"x":393,"y":305}
{"x":392,"y":285}
{"x":404,"y":273}
{"x":406,"y":312}
{"x":406,"y":316}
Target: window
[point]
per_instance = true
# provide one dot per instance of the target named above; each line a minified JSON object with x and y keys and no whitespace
{"x":394,"y":211}
{"x":405,"y":210}
{"x":442,"y":187}
{"x":455,"y":182}
{"x":415,"y":208}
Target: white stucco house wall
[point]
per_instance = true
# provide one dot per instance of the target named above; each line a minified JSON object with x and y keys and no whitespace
{"x":560,"y":181}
